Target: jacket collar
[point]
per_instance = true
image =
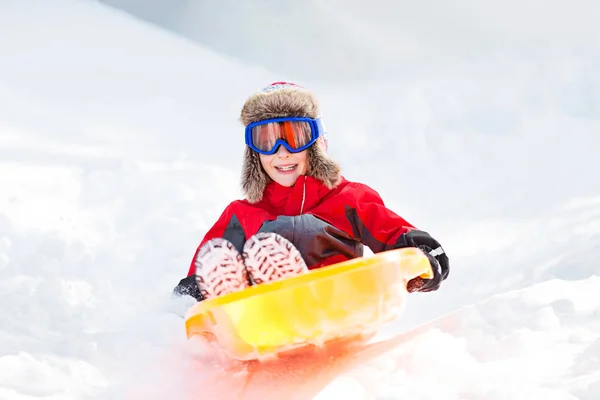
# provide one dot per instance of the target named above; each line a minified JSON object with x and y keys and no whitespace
{"x":306,"y":193}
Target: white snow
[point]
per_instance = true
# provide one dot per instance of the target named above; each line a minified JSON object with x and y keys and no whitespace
{"x":120,"y":146}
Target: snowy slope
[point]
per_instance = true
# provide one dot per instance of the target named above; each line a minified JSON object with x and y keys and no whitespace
{"x":349,"y":40}
{"x":120,"y":145}
{"x":541,"y":342}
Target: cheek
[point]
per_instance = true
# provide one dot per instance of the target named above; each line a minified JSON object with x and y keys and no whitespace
{"x":265,"y":160}
{"x":302,"y":160}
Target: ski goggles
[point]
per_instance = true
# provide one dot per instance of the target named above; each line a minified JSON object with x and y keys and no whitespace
{"x":294,"y":133}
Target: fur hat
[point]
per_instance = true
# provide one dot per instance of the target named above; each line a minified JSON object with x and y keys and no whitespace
{"x":282,"y":99}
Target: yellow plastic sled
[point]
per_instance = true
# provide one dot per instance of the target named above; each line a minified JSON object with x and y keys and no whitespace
{"x":333,"y":304}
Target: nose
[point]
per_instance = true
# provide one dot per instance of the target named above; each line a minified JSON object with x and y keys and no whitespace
{"x":282,"y":152}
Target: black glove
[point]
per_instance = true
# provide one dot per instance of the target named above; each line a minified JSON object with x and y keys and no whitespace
{"x":188,"y":287}
{"x":437,"y":258}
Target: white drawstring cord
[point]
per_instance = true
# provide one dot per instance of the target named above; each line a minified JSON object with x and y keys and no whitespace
{"x":303,"y":195}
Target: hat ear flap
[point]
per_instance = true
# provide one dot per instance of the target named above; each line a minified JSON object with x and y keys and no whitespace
{"x":323,"y":142}
{"x":323,"y":168}
{"x":254,"y":177}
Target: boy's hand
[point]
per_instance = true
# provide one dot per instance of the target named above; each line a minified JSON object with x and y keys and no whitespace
{"x":437,"y":258}
{"x":419,"y":284}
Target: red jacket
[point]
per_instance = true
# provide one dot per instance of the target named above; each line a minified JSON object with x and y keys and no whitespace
{"x":326,"y":225}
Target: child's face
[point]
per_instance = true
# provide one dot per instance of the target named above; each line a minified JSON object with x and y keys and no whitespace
{"x":284,"y":167}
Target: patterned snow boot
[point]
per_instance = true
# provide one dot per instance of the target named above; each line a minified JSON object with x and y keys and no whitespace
{"x":270,"y":257}
{"x":220,"y":269}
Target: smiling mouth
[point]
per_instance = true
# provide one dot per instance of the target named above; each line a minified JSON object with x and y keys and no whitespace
{"x":286,"y":168}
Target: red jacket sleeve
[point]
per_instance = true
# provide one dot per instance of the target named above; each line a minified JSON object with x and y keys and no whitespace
{"x":372,"y":222}
{"x":217,"y":230}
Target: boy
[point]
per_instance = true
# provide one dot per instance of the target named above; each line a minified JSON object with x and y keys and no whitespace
{"x":299,"y":213}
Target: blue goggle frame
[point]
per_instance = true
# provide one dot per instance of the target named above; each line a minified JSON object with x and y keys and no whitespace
{"x":316,"y":128}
